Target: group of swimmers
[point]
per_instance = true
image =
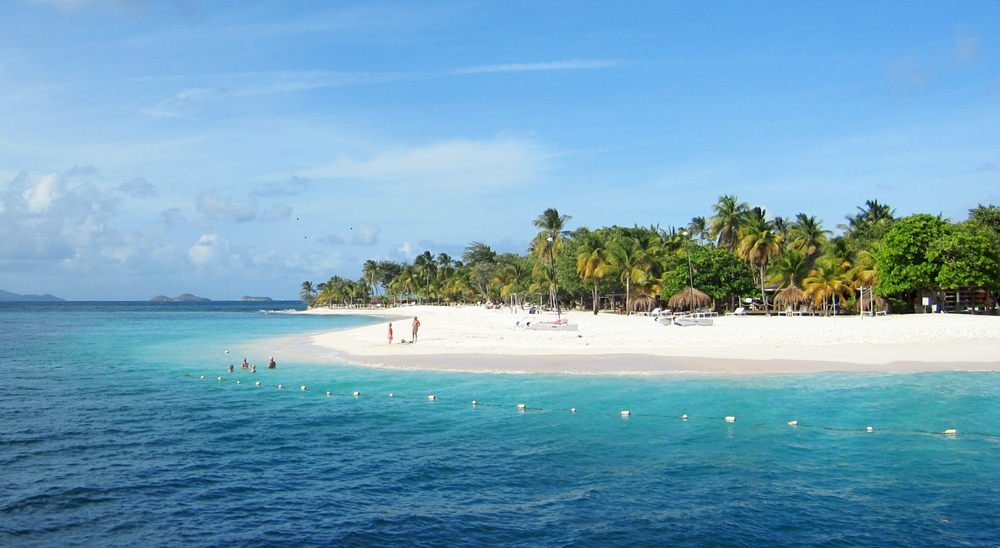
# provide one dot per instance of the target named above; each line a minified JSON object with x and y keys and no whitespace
{"x":252,"y":367}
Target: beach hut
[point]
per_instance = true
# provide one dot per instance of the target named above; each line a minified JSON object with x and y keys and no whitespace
{"x":790,"y":297}
{"x":683,"y":300}
{"x":643,"y":302}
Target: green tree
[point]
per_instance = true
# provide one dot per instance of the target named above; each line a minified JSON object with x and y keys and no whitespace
{"x":308,"y":293}
{"x":904,"y":263}
{"x":547,"y":244}
{"x":758,"y":245}
{"x":969,"y":254}
{"x":720,"y":273}
{"x":988,"y":216}
{"x":478,"y":252}
{"x":592,"y":262}
{"x":724,"y":225}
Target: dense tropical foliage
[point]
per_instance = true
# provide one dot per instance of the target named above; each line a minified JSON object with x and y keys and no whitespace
{"x":736,"y":254}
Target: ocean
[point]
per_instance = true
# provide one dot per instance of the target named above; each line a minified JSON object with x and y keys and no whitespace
{"x":110,"y":437}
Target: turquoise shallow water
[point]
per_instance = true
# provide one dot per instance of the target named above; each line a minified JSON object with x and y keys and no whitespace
{"x":108,"y":437}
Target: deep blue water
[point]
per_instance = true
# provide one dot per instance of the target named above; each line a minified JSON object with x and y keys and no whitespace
{"x":108,"y":437}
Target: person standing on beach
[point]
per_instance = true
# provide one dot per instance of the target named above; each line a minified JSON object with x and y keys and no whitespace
{"x":390,"y":332}
{"x":416,"y":326}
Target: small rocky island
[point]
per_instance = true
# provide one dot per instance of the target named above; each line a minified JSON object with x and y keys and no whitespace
{"x":249,"y":298}
{"x":185,"y":298}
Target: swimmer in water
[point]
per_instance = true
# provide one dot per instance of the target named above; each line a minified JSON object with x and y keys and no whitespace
{"x":231,"y":368}
{"x":271,"y":364}
{"x":245,"y":364}
{"x":253,"y":368}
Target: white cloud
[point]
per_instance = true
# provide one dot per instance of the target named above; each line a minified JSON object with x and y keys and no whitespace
{"x":41,"y":196}
{"x":365,"y":234}
{"x":222,"y":208}
{"x":460,"y":165}
{"x":206,"y":249}
{"x":406,"y":250}
{"x":172,"y":216}
{"x":277,"y":212}
{"x":331,"y":239}
{"x":138,"y":188}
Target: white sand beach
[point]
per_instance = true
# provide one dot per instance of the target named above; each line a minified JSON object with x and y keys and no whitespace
{"x":470,"y":338}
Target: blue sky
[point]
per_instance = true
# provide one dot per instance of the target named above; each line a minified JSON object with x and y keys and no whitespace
{"x":240,"y":148}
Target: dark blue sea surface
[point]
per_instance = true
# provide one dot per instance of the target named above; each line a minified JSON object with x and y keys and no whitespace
{"x":109,"y":437}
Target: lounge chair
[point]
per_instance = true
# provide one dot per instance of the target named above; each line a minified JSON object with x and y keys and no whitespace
{"x":741,"y":311}
{"x":786,"y":312}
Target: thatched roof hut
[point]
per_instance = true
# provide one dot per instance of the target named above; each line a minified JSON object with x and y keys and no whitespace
{"x":643,"y":302}
{"x":790,"y":296}
{"x":682,"y":300}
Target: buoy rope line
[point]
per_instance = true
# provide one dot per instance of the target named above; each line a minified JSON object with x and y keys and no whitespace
{"x":951,"y":432}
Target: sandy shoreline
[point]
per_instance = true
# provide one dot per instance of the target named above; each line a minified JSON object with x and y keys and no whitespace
{"x":475,"y":339}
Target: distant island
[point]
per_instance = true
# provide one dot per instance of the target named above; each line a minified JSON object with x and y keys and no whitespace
{"x":249,"y":298}
{"x":8,"y":296}
{"x":187,"y":297}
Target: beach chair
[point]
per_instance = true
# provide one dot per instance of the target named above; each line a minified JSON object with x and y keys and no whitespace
{"x":803,"y":310}
{"x":786,"y":312}
{"x":741,"y":311}
{"x":655,"y":312}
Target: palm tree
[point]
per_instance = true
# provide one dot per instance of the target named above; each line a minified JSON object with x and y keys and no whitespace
{"x":629,"y":261}
{"x":790,"y":268}
{"x":698,"y":229}
{"x":308,"y":293}
{"x":758,"y":245}
{"x":725,"y":224}
{"x":807,"y":234}
{"x":426,"y":269}
{"x":370,"y":272}
{"x":827,"y":283}
{"x":592,"y":262}
{"x":548,"y":242}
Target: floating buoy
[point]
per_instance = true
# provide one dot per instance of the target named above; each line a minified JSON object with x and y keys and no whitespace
{"x":280,"y":387}
{"x":227,"y":351}
{"x":203,"y":377}
{"x":572,"y":410}
{"x":390,"y":394}
{"x":328,"y":393}
{"x":870,"y":429}
{"x":473,"y":402}
{"x":950,"y":432}
{"x":793,"y":423}
{"x":356,"y":394}
{"x":237,"y":382}
{"x":220,"y":378}
{"x":257,"y":383}
{"x":730,"y":419}
{"x":303,"y":387}
{"x":684,"y":417}
{"x":431,"y":397}
{"x":521,"y":406}
{"x":625,"y":413}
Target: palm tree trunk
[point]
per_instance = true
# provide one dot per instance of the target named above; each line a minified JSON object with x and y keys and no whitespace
{"x":763,"y":295}
{"x":628,"y":293}
{"x":597,"y":297}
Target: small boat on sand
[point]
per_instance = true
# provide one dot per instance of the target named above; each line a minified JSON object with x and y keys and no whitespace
{"x":547,"y":325}
{"x":685,"y":321}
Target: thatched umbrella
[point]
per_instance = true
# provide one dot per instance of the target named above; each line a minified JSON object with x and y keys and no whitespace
{"x":643,"y":302}
{"x":790,"y":296}
{"x":682,"y":300}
